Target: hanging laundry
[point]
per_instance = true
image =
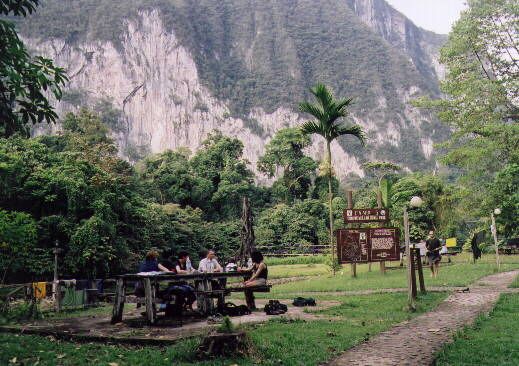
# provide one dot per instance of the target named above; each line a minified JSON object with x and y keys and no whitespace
{"x":82,"y":284}
{"x":73,"y":297}
{"x":40,"y":289}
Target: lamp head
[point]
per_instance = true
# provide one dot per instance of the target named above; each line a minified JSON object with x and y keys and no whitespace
{"x":416,"y":202}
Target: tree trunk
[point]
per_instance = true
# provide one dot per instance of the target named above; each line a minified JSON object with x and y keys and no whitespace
{"x":330,"y":198}
{"x":247,"y":238}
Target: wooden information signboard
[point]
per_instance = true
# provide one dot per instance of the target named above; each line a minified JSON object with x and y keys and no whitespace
{"x":352,"y":245}
{"x":384,"y":244}
{"x":368,"y":245}
{"x":366,"y":215}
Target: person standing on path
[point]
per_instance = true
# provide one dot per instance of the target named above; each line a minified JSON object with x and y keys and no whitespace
{"x":433,"y":246}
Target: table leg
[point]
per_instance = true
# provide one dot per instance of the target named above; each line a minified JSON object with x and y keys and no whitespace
{"x":117,"y":312}
{"x":208,"y":300}
{"x":200,"y":301}
{"x":150,"y":308}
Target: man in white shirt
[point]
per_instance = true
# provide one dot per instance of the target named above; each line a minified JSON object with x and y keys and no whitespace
{"x":209,"y":264}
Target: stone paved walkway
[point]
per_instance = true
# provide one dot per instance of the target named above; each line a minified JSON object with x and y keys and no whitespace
{"x":415,"y":342}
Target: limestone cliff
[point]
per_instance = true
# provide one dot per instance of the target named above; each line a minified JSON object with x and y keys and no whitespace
{"x":169,"y":86}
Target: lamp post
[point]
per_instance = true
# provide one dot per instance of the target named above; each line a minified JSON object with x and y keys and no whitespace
{"x":493,"y":229}
{"x":414,"y":202}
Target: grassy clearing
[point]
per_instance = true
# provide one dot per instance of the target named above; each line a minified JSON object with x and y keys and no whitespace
{"x":278,"y":341}
{"x":515,"y":284}
{"x":461,"y":272}
{"x":491,"y":341}
{"x":302,"y":259}
{"x":296,"y":270}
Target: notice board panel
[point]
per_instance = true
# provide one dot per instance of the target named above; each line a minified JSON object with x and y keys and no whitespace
{"x":368,"y":245}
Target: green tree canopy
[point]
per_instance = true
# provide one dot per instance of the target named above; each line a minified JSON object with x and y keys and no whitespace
{"x":25,"y":80}
{"x":285,"y":152}
{"x":172,"y":179}
{"x":481,"y":105}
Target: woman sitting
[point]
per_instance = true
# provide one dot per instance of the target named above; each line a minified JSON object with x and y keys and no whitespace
{"x":182,"y":267}
{"x":259,"y":271}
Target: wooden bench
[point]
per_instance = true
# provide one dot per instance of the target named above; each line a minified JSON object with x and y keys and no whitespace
{"x":249,"y":293}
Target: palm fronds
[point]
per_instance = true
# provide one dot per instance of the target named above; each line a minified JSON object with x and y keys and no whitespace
{"x":353,"y":130}
{"x":326,"y":112}
{"x":311,"y":127}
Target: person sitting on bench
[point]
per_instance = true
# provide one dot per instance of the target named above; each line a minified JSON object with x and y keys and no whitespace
{"x":209,"y":264}
{"x":151,"y":263}
{"x":259,"y":271}
{"x":187,"y":290}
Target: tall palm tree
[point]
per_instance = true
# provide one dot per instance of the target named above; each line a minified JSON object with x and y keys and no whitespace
{"x":327,"y":113}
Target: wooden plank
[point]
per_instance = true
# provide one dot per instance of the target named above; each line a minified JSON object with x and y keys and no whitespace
{"x":420,"y":271}
{"x":117,"y":312}
{"x":183,"y":277}
{"x":57,"y":296}
{"x":149,"y":297}
{"x":252,"y":288}
{"x":413,"y":273}
{"x":142,"y":300}
{"x":383,"y":267}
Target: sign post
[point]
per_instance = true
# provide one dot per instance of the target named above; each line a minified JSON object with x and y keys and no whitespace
{"x":494,"y":234}
{"x":410,"y":297}
{"x":349,"y":195}
{"x":366,"y":245}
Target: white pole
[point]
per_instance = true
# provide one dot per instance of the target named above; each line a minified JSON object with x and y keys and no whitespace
{"x":410,"y":299}
{"x":494,"y":234}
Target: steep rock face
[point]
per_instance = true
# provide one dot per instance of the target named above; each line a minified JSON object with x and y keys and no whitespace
{"x":154,"y":81}
{"x":176,"y":70}
{"x":422,"y":46}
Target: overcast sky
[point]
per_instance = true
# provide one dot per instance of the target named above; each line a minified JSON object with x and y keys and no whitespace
{"x":435,"y":15}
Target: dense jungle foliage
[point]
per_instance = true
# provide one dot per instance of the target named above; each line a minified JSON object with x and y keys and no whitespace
{"x":73,"y":189}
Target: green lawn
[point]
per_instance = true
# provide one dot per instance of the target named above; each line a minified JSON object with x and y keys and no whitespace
{"x":515,"y":284}
{"x":296,"y":270}
{"x":277,"y":341}
{"x":296,"y":259}
{"x":493,"y":340}
{"x":461,"y":272}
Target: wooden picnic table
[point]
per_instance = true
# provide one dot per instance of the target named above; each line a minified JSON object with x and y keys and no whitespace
{"x":203,"y":289}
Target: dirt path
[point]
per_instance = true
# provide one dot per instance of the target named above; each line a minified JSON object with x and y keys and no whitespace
{"x":415,"y":342}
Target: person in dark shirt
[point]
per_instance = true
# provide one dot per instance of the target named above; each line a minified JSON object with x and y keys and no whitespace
{"x":433,"y":246}
{"x":187,"y":290}
{"x":259,"y":271}
{"x":151,"y":263}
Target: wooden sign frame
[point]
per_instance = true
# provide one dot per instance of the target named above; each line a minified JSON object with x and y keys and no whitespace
{"x":366,"y":245}
{"x":363,"y":215}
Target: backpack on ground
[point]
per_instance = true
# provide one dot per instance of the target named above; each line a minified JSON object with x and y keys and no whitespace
{"x":232,"y":309}
{"x":301,"y":301}
{"x":274,"y":307}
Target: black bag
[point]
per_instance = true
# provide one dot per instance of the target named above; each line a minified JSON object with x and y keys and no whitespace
{"x":232,"y":309}
{"x":301,"y":301}
{"x":274,"y":307}
{"x":173,"y":310}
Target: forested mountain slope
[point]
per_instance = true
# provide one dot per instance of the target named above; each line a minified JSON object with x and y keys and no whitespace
{"x":164,"y":73}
